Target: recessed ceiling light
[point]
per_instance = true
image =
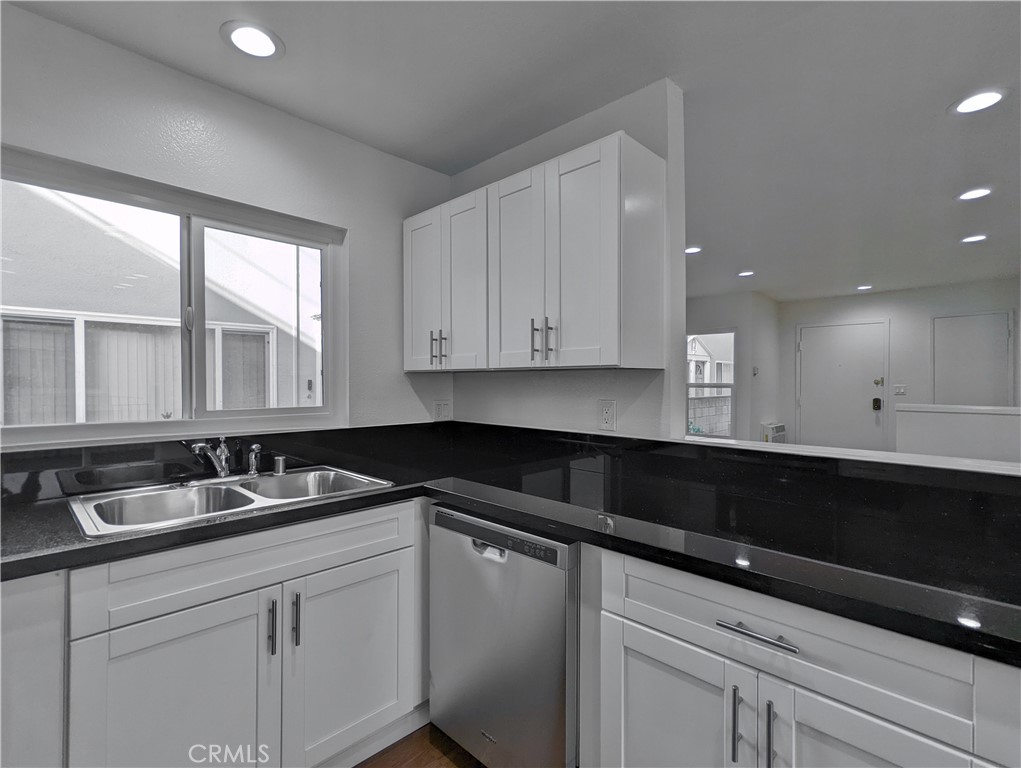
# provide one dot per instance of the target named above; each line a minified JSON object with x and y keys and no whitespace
{"x":693,"y":249}
{"x":744,"y":562}
{"x":252,"y":39}
{"x":974,"y":239}
{"x":975,"y":194}
{"x":864,"y":287}
{"x":979,"y":101}
{"x":746,"y":273}
{"x":969,"y":622}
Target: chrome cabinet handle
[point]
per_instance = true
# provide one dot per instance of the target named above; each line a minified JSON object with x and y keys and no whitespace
{"x":531,"y":340}
{"x":770,"y":717}
{"x":432,"y":344}
{"x":272,"y":627}
{"x":735,"y":737}
{"x":296,"y":626}
{"x":547,"y":329}
{"x":442,"y":339}
{"x":741,"y":629}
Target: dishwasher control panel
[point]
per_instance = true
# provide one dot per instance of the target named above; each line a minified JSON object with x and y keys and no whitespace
{"x":498,"y":536}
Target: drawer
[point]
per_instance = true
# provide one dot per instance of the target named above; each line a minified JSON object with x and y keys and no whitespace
{"x":111,"y":595}
{"x":922,"y":686}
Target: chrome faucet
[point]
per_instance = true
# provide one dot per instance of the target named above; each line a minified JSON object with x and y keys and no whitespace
{"x":253,"y":459}
{"x":220,"y":458}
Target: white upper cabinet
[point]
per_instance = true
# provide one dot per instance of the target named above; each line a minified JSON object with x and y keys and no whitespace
{"x":597,"y":300}
{"x":575,"y":249}
{"x":444,"y":286}
{"x":516,"y":270}
{"x":423,"y":294}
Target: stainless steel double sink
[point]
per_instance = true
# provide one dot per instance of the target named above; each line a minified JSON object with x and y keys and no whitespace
{"x":166,"y":506}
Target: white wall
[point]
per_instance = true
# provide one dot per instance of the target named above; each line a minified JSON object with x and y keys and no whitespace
{"x":71,"y":95}
{"x":910,"y":314}
{"x":755,"y":320}
{"x":566,"y":399}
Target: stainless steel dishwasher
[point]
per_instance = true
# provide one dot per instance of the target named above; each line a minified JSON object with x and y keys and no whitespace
{"x":503,"y":631}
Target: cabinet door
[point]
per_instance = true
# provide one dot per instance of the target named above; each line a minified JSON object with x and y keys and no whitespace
{"x":516,"y":270}
{"x":32,"y":675}
{"x":463,"y":245}
{"x":583,"y":255}
{"x":666,"y":703}
{"x":812,"y":731}
{"x":350,"y":654}
{"x":423,"y":291}
{"x":180,"y":689}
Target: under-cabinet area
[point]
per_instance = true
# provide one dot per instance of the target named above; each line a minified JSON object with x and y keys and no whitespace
{"x":692,"y":672}
{"x":560,"y":265}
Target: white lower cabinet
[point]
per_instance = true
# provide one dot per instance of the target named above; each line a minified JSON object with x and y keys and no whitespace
{"x":668,"y":703}
{"x":289,"y":674}
{"x":692,"y":672}
{"x":799,"y":728}
{"x":179,"y":689}
{"x":334,"y":696}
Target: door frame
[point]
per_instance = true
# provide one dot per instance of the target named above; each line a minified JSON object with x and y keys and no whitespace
{"x":1011,"y":341}
{"x":887,"y":420}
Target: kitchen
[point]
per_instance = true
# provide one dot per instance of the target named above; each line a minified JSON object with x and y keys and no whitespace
{"x":69,"y":96}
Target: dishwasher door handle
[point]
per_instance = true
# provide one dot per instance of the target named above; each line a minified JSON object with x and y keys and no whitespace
{"x":489,"y":551}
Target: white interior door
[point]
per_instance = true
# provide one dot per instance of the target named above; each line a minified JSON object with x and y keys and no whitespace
{"x":583,"y":255}
{"x":423,"y":291}
{"x":971,"y":359}
{"x":517,"y":261}
{"x":463,"y":240}
{"x":841,"y":369}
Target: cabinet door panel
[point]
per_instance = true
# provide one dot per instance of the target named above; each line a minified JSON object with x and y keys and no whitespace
{"x":583,"y":254}
{"x":516,"y":269}
{"x":666,"y":703}
{"x":423,"y":290}
{"x":351,"y":673}
{"x":463,"y":236}
{"x":167,"y":691}
{"x":815,"y":732}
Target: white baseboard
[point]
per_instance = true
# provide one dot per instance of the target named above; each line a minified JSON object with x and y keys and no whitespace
{"x":379,"y":740}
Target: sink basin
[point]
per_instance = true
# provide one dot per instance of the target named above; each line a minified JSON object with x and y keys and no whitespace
{"x":165,"y":506}
{"x":142,"y":508}
{"x":316,"y":481}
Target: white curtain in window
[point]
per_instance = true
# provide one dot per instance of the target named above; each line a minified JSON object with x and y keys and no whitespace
{"x":38,"y":372}
{"x":132,"y":372}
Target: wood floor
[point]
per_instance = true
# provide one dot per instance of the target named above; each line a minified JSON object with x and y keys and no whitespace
{"x":428,"y":747}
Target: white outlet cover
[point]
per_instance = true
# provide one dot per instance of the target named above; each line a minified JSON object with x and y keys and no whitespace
{"x":608,"y":415}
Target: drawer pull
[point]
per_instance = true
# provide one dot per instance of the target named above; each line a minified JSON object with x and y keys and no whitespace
{"x":735,"y":712}
{"x":272,"y":627}
{"x":741,"y":629}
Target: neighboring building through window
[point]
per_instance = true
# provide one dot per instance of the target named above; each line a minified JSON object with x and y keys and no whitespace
{"x":711,"y":384}
{"x":91,"y":305}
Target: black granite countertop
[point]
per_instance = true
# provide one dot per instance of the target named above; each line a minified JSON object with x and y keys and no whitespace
{"x":911,"y":549}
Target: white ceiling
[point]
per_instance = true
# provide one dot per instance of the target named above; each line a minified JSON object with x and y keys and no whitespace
{"x":819,"y":151}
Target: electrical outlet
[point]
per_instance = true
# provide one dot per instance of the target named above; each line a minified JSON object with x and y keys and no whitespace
{"x":608,"y":415}
{"x":442,"y":410}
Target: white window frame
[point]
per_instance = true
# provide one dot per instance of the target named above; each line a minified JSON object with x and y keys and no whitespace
{"x":77,"y":178}
{"x":690,"y":385}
